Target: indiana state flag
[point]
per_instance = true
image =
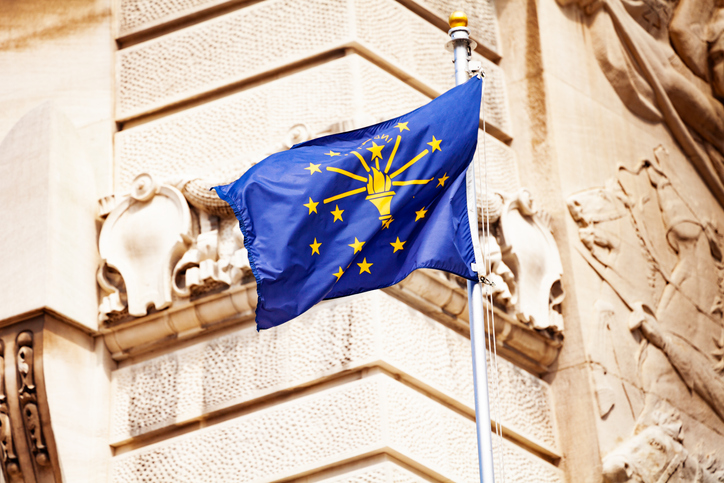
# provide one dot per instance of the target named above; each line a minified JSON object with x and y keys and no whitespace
{"x":360,"y":210}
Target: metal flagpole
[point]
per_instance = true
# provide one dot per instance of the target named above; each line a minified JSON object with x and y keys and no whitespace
{"x":461,"y":45}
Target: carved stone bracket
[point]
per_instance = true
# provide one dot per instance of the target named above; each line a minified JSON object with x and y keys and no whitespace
{"x":140,"y":242}
{"x":8,"y":456}
{"x":28,"y":398}
{"x":528,"y":248}
{"x":27,"y":445}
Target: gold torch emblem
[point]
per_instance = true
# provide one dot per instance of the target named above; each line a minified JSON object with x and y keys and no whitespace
{"x":379,"y":182}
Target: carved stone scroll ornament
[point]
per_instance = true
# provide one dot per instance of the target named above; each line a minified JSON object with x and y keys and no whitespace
{"x":665,"y":59}
{"x":141,"y":240}
{"x":530,"y":251}
{"x":28,"y":398}
{"x":8,"y":456}
{"x":208,"y":266}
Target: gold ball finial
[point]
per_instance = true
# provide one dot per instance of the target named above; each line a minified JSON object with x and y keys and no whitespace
{"x":458,"y":19}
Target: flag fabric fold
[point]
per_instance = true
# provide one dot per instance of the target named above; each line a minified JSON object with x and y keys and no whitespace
{"x":360,"y":210}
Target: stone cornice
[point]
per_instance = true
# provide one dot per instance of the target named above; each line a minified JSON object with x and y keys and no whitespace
{"x":427,"y":291}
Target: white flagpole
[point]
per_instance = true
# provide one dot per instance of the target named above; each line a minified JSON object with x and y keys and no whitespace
{"x":462,"y":46}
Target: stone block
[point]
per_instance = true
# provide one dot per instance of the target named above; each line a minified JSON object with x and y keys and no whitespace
{"x":367,"y":330}
{"x":373,"y":415}
{"x":138,"y":15}
{"x":240,"y":128}
{"x":48,"y":199}
{"x":228,"y":49}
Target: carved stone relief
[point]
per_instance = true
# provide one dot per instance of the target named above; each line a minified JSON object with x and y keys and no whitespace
{"x":525,"y":266}
{"x":8,"y":456}
{"x":28,"y":397}
{"x":655,"y":453}
{"x":141,"y":240}
{"x":530,"y":251}
{"x":27,"y":443}
{"x":665,"y":59}
{"x":662,"y":261}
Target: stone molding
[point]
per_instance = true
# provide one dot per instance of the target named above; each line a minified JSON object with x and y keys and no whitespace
{"x":531,"y":349}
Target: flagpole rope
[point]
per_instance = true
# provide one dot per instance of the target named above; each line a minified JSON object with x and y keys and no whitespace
{"x":491,"y":338}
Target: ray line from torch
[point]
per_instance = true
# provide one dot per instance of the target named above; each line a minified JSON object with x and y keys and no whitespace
{"x":348,"y":174}
{"x":345,"y":194}
{"x":412,"y":181}
{"x":392,"y":156}
{"x":362,"y":160}
{"x":409,"y":163}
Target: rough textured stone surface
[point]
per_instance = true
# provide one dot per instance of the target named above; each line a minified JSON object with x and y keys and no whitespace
{"x":319,"y":429}
{"x":482,"y":18}
{"x":239,"y":129}
{"x":139,"y":14}
{"x":225,"y":50}
{"x":337,"y":336}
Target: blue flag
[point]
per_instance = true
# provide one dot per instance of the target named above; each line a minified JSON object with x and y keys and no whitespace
{"x":360,"y":210}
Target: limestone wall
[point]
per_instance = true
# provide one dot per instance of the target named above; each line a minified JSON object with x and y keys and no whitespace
{"x":361,"y":389}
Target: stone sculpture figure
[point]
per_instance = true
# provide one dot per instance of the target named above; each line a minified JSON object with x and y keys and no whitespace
{"x":664,"y":263}
{"x":655,"y":453}
{"x":665,"y":59}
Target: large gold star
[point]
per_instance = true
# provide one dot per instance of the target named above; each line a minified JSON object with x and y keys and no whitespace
{"x":315,"y":247}
{"x":435,"y":144}
{"x":339,"y":274}
{"x":332,"y":153}
{"x":376,"y":150}
{"x":386,"y":223}
{"x":337,"y":213}
{"x":364,"y":267}
{"x":357,"y":245}
{"x":441,"y":181}
{"x":420,"y":214}
{"x":402,"y":126}
{"x":398,"y":245}
{"x":314,"y":168}
{"x":312,"y":206}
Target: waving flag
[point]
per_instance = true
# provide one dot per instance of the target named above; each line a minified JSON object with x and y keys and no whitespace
{"x":360,"y":210}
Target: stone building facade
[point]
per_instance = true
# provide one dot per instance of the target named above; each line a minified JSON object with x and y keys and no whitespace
{"x":128,"y":351}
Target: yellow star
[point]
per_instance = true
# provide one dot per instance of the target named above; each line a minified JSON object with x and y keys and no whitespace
{"x":420,"y":214}
{"x":332,"y":153}
{"x":402,"y":126}
{"x":441,"y":181}
{"x":364,"y":267}
{"x":357,"y":245}
{"x":435,"y":144}
{"x":398,"y":245}
{"x":376,"y":150}
{"x":312,"y":206}
{"x":337,"y":213}
{"x":314,"y":168}
{"x":386,"y":223}
{"x":315,"y":247}
{"x":339,"y":274}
